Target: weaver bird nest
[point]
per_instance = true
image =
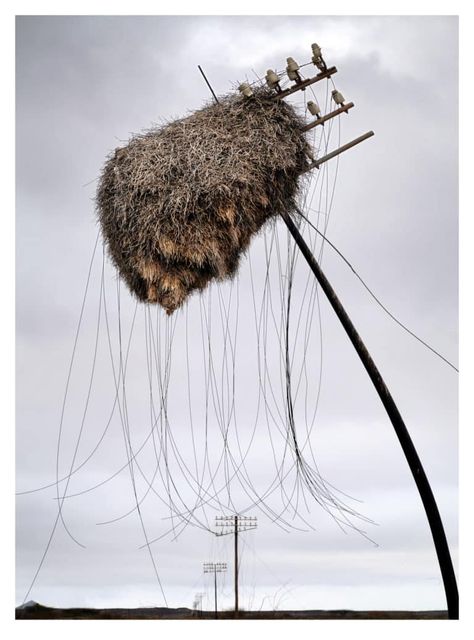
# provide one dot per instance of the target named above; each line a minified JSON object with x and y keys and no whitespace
{"x":179,"y":204}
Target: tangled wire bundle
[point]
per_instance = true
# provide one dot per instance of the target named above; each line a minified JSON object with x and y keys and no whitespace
{"x":178,"y":205}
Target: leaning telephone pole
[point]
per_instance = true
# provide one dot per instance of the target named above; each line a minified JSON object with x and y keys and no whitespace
{"x":421,"y":480}
{"x":411,"y":455}
{"x":235,"y":524}
{"x":215,"y":568}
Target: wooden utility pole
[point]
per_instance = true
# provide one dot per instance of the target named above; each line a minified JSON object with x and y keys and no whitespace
{"x":197,"y":604}
{"x":411,"y":455}
{"x":215,"y":568}
{"x":236,"y":564}
{"x":235,"y":524}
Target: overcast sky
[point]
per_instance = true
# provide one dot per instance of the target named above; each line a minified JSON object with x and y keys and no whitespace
{"x":86,"y":84}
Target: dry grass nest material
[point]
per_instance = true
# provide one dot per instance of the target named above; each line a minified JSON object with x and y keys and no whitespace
{"x":178,"y":205}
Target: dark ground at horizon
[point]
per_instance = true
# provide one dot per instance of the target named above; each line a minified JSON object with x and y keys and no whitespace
{"x":40,"y":612}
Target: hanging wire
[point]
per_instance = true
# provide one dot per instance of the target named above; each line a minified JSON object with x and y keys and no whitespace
{"x":213,"y":478}
{"x":377,"y":300}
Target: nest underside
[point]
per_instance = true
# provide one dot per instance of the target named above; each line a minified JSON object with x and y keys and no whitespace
{"x":178,"y":205}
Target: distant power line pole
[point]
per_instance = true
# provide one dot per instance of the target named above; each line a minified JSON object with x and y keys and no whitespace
{"x":215,"y":568}
{"x":197,"y":604}
{"x":235,"y":524}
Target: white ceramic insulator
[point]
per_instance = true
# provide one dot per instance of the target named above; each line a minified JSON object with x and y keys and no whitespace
{"x":271,"y":78}
{"x":292,"y":65}
{"x":313,"y":108}
{"x":246,"y":90}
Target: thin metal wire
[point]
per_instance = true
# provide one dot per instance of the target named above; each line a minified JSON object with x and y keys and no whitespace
{"x":377,"y":300}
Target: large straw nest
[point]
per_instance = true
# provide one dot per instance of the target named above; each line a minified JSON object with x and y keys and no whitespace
{"x":178,"y":205}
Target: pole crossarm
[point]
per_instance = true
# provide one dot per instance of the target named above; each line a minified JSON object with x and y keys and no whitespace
{"x":214,"y":567}
{"x":317,"y":163}
{"x":232,"y":518}
{"x":322,"y":119}
{"x":233,"y":529}
{"x":300,"y":86}
{"x":243,"y":523}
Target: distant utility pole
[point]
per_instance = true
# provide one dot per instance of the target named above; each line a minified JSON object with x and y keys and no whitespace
{"x":235,"y":524}
{"x":215,"y":568}
{"x":197,"y":604}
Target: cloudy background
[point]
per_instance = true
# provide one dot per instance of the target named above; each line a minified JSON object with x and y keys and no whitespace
{"x":85,"y":84}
